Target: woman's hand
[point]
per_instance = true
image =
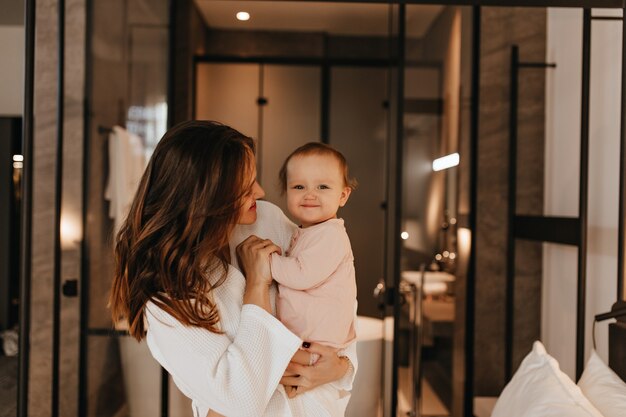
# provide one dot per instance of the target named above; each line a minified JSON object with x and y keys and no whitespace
{"x":300,"y":377}
{"x":254,"y":260}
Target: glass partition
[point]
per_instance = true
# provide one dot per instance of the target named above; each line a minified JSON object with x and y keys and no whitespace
{"x":325,"y":79}
{"x":128,"y":67}
{"x":437,"y":93}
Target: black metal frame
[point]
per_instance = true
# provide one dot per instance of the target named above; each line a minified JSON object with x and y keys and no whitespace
{"x":584,"y":194}
{"x":11,"y":144}
{"x":171,"y":78}
{"x":621,"y":242}
{"x":58,"y":197}
{"x":397,"y":215}
{"x":84,"y":247}
{"x":27,"y":208}
{"x":541,"y":228}
{"x":596,"y":4}
{"x":470,"y":292}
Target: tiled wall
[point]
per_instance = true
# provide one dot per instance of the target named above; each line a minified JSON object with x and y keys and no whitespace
{"x":500,"y":29}
{"x":44,"y":147}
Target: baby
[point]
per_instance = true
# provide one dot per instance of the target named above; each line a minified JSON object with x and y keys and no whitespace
{"x":316,"y":279}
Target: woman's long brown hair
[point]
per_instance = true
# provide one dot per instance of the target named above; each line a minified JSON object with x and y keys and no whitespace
{"x":179,"y":224}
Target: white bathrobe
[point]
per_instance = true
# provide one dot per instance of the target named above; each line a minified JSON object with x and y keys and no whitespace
{"x":237,"y":373}
{"x":127,"y":162}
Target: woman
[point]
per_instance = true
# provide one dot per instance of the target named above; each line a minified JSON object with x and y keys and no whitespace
{"x":205,"y":322}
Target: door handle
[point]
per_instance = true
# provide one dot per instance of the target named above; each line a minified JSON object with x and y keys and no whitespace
{"x":70,"y":288}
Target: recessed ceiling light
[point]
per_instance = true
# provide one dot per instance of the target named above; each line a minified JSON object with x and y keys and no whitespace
{"x":243,"y":16}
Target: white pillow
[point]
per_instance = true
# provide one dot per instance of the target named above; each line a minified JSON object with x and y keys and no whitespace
{"x":540,"y":389}
{"x":603,"y":387}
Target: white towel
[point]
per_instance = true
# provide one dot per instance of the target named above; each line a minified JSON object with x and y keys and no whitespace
{"x":127,"y":163}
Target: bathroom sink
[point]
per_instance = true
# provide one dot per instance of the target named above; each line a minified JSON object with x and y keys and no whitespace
{"x":436,"y":282}
{"x":429,"y":276}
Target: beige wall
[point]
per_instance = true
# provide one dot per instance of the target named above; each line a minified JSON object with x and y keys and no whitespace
{"x":563,"y":95}
{"x":11,"y":70}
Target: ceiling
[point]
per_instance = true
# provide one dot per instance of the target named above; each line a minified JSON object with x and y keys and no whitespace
{"x":357,"y":19}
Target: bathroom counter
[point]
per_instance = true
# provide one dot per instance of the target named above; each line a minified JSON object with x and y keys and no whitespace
{"x":435,"y":282}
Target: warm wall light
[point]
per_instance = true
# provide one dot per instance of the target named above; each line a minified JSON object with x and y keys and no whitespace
{"x":464,"y":237}
{"x":70,"y":232}
{"x":404,"y":235}
{"x":446,"y":162}
{"x":243,"y":16}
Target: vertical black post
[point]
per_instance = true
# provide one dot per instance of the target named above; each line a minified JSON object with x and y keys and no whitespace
{"x":325,"y":97}
{"x":171,"y":64}
{"x":622,"y":171}
{"x":397,"y":221}
{"x":27,"y":198}
{"x":171,"y":93}
{"x":582,"y":207}
{"x":194,"y":86}
{"x":84,"y":252}
{"x":510,"y":249}
{"x":58,"y":197}
{"x":259,"y":136}
{"x":325,"y":119}
{"x":165,"y":399}
{"x":468,"y":399}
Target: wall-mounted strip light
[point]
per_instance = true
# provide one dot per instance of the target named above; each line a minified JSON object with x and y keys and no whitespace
{"x":18,"y":161}
{"x":243,"y":16}
{"x":446,"y":162}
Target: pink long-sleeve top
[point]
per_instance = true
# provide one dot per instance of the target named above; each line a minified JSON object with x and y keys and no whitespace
{"x":317,"y":284}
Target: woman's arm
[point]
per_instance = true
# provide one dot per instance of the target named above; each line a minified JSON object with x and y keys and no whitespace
{"x":253,"y":254}
{"x":329,"y":368}
{"x":225,"y":375}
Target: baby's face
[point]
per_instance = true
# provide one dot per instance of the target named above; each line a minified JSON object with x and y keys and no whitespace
{"x":315,"y":188}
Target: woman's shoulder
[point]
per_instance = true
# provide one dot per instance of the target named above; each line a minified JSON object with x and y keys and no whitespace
{"x":155,"y":315}
{"x":269,"y":211}
{"x":271,"y":224}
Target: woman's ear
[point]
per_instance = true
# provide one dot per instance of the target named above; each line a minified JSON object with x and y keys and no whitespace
{"x":345,"y":194}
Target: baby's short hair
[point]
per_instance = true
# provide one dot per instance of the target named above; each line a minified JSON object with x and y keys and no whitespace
{"x":317,"y":148}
